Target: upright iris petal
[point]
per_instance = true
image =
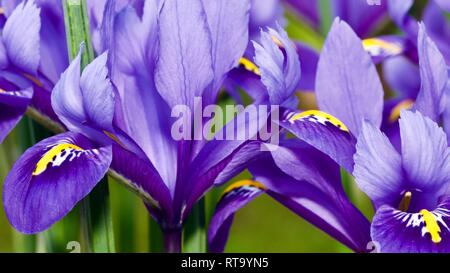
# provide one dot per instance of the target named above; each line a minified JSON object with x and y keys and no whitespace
{"x":21,"y":37}
{"x":228,"y":47}
{"x":381,"y":182}
{"x":183,"y":70}
{"x":433,"y":75}
{"x":348,"y":88}
{"x":343,"y":105}
{"x":19,"y":52}
{"x":279,"y":74}
{"x":85,"y":102}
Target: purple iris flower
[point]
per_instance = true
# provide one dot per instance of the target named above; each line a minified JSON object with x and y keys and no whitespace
{"x":349,"y":113}
{"x":33,"y":56}
{"x":409,"y":190}
{"x":430,"y":102}
{"x":118,"y":111}
{"x":292,"y":173}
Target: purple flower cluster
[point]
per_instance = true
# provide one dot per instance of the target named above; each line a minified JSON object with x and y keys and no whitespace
{"x":155,"y":55}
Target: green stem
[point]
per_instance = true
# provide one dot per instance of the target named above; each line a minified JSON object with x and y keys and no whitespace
{"x":156,"y":237}
{"x":302,"y":31}
{"x":325,"y":16}
{"x":97,"y":225}
{"x":195,"y":230}
{"x":77,"y":30}
{"x":95,"y":208}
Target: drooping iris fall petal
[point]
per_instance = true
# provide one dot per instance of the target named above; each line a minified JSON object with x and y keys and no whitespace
{"x":50,"y":178}
{"x":395,"y":231}
{"x":324,"y":132}
{"x":312,"y":193}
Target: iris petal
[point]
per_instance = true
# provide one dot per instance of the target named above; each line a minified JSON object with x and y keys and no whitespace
{"x":317,"y":129}
{"x":378,"y":169}
{"x":348,"y":88}
{"x":425,"y":152}
{"x":424,"y":231}
{"x":433,"y":75}
{"x":21,"y":37}
{"x":280,"y":72}
{"x":13,"y":105}
{"x":50,"y":178}
{"x":234,"y":198}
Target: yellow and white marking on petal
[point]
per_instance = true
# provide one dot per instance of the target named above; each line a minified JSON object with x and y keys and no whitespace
{"x":431,"y":226}
{"x":57,"y":155}
{"x":249,"y":66}
{"x":429,"y":222}
{"x":378,"y":47}
{"x":319,"y":117}
{"x":244,"y":185}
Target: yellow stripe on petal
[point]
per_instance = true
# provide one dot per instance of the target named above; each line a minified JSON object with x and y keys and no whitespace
{"x":56,"y":155}
{"x":431,"y":226}
{"x":244,"y":183}
{"x":321,"y":117}
{"x":277,"y":41}
{"x":403,"y":105}
{"x":377,"y":47}
{"x":249,"y":65}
